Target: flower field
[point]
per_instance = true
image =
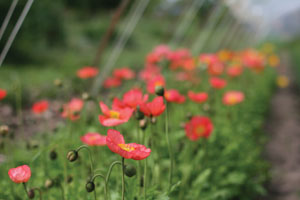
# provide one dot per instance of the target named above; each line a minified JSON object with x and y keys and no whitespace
{"x":182,"y":127}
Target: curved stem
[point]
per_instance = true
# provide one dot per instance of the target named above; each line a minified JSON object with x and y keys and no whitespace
{"x":145,"y":179}
{"x":123,"y":179}
{"x":105,"y":185}
{"x":169,"y":144}
{"x":25,"y":188}
{"x":110,"y":169}
{"x":91,"y":160}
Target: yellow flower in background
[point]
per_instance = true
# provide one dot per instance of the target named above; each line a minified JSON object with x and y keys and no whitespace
{"x":283,"y":81}
{"x":224,"y":55}
{"x":273,"y":60}
{"x":268,"y":48}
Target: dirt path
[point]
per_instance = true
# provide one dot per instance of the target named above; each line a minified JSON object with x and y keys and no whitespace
{"x":283,"y":149}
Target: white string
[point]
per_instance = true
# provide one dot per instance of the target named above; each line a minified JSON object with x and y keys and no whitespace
{"x":207,"y":29}
{"x":7,"y":17}
{"x":15,"y":31}
{"x":188,"y":18}
{"x":120,"y":42}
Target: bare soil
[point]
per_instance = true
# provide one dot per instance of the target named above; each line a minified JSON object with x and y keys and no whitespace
{"x":283,"y":148}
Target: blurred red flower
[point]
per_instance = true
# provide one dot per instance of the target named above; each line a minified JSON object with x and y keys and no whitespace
{"x":112,"y":82}
{"x":71,"y":110}
{"x":114,"y":117}
{"x":116,"y":143}
{"x":198,"y":127}
{"x":174,"y":96}
{"x":134,"y":97}
{"x":253,"y":59}
{"x":20,"y":174}
{"x":154,"y":108}
{"x":87,"y":72}
{"x":154,"y":82}
{"x":149,"y":72}
{"x":3,"y":94}
{"x":217,"y":83}
{"x":233,"y":97}
{"x":200,"y":97}
{"x":234,"y":70}
{"x":124,"y":73}
{"x":40,"y":107}
{"x":93,"y":139}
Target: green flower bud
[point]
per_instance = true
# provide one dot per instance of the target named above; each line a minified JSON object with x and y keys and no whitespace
{"x":49,"y":183}
{"x":72,"y":155}
{"x":4,"y":129}
{"x":53,"y":154}
{"x":69,"y":179}
{"x":153,"y":120}
{"x":90,"y":186}
{"x":159,"y":90}
{"x":130,"y":170}
{"x":85,"y":96}
{"x":58,"y":83}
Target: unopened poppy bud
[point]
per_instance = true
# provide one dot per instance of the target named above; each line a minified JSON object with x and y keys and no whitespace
{"x":130,"y":170}
{"x":53,"y":154}
{"x":72,"y":155}
{"x":69,"y":179}
{"x":33,"y":144}
{"x":189,"y":116}
{"x":143,"y":124}
{"x":159,"y":90}
{"x":31,"y":194}
{"x":85,"y":96}
{"x":4,"y":130}
{"x":153,"y":120}
{"x":138,"y":114}
{"x":58,"y":83}
{"x":90,"y":186}
{"x":49,"y":183}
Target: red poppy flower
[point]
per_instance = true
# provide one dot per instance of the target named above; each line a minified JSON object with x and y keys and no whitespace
{"x":253,"y":59}
{"x":215,"y":68}
{"x":93,"y":139}
{"x":200,"y":97}
{"x":217,"y":83}
{"x":87,"y":72}
{"x":114,"y":117}
{"x":198,"y":127}
{"x":233,"y":97}
{"x":234,"y":71}
{"x":174,"y":96}
{"x":154,"y":82}
{"x":40,"y":107}
{"x":112,"y":82}
{"x":154,"y":108}
{"x":149,"y":72}
{"x":134,"y":97}
{"x":116,"y":143}
{"x":124,"y":73}
{"x":71,"y":110}
{"x":20,"y":174}
{"x":2,"y":94}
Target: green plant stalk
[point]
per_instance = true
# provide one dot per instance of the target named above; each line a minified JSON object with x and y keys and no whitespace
{"x":123,"y":179}
{"x":169,"y":145}
{"x":25,"y":188}
{"x":62,"y":191}
{"x":109,"y":172}
{"x":145,"y":167}
{"x":105,"y":185}
{"x":91,"y":162}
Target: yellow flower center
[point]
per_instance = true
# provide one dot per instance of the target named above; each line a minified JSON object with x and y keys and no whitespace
{"x":126,"y":147}
{"x":158,"y":83}
{"x":200,"y":130}
{"x":232,"y":99}
{"x":114,"y":114}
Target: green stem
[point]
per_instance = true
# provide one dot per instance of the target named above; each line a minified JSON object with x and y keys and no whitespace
{"x":145,"y":179}
{"x":169,"y":144}
{"x":91,"y":162}
{"x":105,"y":185}
{"x":109,"y":172}
{"x":123,"y":179}
{"x":25,"y":188}
{"x":62,"y":191}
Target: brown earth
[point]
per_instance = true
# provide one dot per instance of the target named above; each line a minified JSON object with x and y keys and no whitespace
{"x":283,"y":148}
